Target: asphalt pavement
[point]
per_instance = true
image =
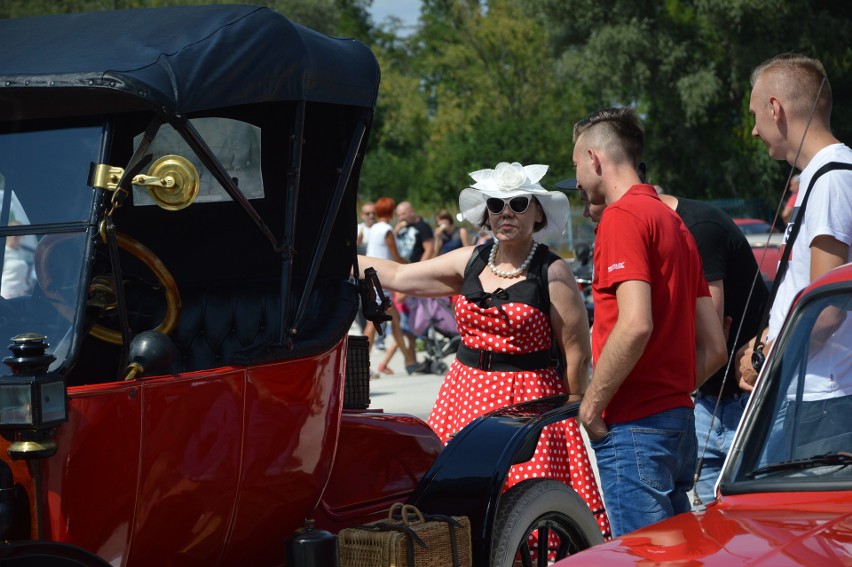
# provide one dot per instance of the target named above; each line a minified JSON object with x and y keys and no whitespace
{"x":400,"y":392}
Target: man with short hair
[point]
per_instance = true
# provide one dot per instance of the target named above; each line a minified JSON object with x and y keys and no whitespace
{"x":414,"y":235}
{"x":416,"y":242}
{"x":656,"y":335}
{"x":791,"y":102}
{"x":368,"y":219}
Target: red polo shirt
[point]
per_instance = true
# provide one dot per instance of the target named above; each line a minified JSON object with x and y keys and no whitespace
{"x":641,"y":238}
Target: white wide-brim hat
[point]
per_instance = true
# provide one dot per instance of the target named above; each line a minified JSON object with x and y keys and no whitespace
{"x":509,"y":180}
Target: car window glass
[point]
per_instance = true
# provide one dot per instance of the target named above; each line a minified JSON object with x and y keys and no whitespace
{"x":813,"y":405}
{"x":40,"y":289}
{"x":46,"y":174}
{"x":237,"y":146}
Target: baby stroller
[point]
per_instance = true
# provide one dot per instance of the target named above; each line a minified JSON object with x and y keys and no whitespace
{"x":432,"y":320}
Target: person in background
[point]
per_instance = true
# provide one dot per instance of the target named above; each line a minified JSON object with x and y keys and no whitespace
{"x":416,"y":242}
{"x":381,"y":243}
{"x":731,"y":272}
{"x":415,"y":236}
{"x":447,"y":235}
{"x":16,"y":270}
{"x":368,"y":219}
{"x":484,"y":236}
{"x":646,"y":361}
{"x":791,"y":102}
{"x":787,"y":211}
{"x":505,"y":359}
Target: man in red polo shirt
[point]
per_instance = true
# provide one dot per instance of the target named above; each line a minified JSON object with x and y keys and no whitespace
{"x":656,"y":338}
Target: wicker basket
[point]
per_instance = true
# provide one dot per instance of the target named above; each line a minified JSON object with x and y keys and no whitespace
{"x":407,"y":539}
{"x":356,"y":390}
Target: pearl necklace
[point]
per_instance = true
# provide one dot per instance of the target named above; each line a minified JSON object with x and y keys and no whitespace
{"x":517,"y":271}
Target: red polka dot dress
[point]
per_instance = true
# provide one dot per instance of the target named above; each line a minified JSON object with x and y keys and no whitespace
{"x":506,"y":322}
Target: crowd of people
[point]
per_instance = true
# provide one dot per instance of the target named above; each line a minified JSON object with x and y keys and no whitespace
{"x":679,"y":324}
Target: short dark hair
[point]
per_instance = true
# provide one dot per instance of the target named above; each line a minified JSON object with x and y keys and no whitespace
{"x":618,"y":131}
{"x":444,"y":214}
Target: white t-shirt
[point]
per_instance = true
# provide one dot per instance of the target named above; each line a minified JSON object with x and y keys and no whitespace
{"x":829,"y":212}
{"x":15,"y":272}
{"x":377,"y":246}
{"x":363,"y":234}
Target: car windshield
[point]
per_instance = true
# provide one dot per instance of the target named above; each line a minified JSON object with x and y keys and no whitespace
{"x":45,"y":205}
{"x":804,"y":427}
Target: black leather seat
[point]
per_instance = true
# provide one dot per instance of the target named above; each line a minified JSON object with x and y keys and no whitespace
{"x":225,"y":324}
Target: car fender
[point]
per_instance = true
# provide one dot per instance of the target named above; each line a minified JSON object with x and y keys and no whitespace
{"x":467,"y":478}
{"x":380,"y":459}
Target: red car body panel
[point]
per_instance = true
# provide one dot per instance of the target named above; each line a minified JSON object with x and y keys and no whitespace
{"x":190,"y":476}
{"x":838,"y":275}
{"x":757,"y":529}
{"x":182,"y":454}
{"x":767,"y":259}
{"x":404,"y":445}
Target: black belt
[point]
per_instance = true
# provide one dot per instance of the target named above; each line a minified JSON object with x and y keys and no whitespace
{"x":725,"y":397}
{"x":504,"y":362}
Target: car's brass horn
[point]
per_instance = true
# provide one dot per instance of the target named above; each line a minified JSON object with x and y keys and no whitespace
{"x":172,"y":182}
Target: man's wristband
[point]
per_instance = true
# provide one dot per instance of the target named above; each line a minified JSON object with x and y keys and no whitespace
{"x":757,"y":357}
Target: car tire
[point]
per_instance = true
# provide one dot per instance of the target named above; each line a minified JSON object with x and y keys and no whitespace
{"x":545,"y":507}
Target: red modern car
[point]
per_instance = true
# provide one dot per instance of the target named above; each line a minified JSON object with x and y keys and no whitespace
{"x":785,"y":494}
{"x":765,"y":242}
{"x":178,"y":192}
{"x":754,"y":226}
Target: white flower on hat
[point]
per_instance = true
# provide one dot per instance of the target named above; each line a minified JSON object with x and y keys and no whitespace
{"x":508,"y":177}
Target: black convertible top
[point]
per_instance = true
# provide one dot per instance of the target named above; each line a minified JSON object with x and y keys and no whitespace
{"x":178,"y":59}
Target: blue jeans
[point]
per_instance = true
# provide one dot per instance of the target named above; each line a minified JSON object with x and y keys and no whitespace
{"x":718,"y":435}
{"x":646,"y":468}
{"x":820,"y":426}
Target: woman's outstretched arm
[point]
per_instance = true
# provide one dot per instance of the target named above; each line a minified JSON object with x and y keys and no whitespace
{"x":436,"y":277}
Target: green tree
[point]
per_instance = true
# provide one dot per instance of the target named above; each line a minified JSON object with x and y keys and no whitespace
{"x":489,"y":93}
{"x":321,"y":15}
{"x":685,"y":66}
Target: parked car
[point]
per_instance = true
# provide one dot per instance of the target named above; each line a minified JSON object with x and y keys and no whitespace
{"x":766,"y":243}
{"x":767,"y":254}
{"x":181,"y":388}
{"x":785,"y":493}
{"x":754,"y":226}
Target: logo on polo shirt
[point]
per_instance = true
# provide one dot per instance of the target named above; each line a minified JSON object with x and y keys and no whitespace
{"x":616,"y":266}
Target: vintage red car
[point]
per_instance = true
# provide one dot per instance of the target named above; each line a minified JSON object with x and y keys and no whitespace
{"x":178,"y":195}
{"x":785,"y":494}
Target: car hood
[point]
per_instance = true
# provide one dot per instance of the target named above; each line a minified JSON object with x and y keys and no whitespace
{"x":768,"y":529}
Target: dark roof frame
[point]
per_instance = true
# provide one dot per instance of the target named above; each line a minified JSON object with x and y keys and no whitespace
{"x":184,"y":59}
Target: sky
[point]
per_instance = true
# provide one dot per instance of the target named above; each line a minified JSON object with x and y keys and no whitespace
{"x":405,"y":10}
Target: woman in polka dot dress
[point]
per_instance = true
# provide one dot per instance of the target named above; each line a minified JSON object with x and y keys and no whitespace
{"x":509,"y":320}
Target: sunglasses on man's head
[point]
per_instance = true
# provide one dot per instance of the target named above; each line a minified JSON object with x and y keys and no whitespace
{"x":517,"y":204}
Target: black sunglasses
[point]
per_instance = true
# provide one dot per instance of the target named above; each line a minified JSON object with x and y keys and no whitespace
{"x":517,"y":204}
